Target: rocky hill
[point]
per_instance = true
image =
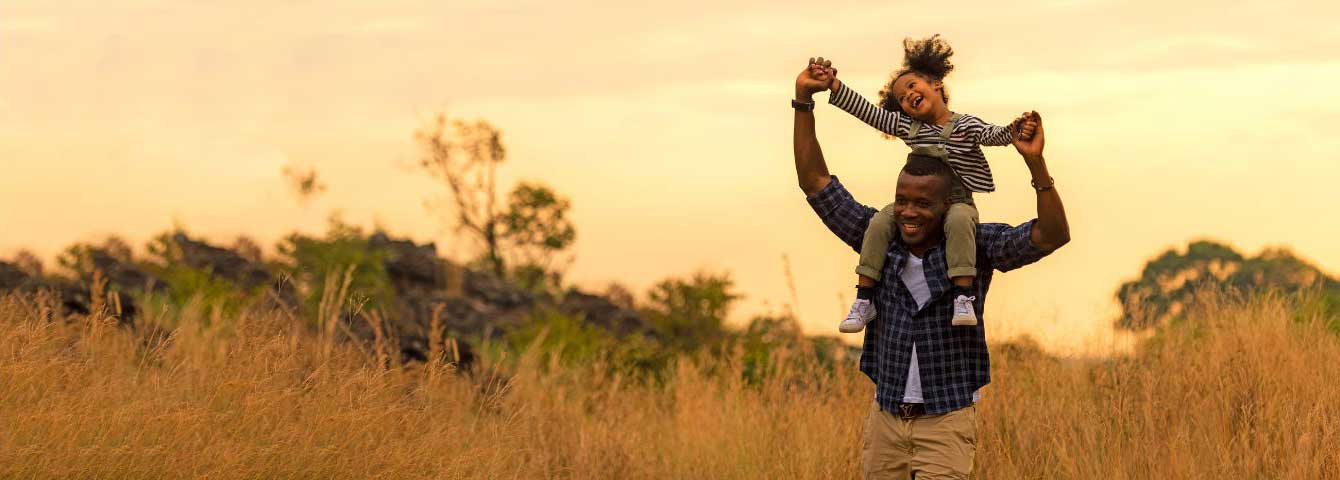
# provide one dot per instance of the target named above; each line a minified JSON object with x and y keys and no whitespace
{"x":473,"y":305}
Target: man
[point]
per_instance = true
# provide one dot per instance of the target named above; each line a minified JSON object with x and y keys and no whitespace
{"x":926,"y":371}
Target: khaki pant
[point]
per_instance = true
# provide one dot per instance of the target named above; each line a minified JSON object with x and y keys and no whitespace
{"x":960,"y":237}
{"x":929,"y":447}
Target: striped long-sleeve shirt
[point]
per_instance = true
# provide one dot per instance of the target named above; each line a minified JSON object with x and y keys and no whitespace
{"x":964,"y":154}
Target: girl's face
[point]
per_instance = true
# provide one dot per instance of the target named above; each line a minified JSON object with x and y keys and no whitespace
{"x":920,"y":98}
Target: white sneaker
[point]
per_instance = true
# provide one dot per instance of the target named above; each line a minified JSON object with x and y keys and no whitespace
{"x":964,"y":313}
{"x":862,"y":312}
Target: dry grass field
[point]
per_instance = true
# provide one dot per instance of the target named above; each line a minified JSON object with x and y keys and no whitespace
{"x":1241,"y":389}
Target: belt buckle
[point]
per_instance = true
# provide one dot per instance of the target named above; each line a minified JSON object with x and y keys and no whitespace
{"x":905,"y":409}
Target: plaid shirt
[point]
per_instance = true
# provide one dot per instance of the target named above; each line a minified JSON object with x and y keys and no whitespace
{"x":953,"y":361}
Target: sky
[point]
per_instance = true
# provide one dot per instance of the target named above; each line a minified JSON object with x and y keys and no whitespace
{"x":668,"y":127}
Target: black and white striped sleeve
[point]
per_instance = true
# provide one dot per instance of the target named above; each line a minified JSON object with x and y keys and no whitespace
{"x":883,"y":120}
{"x":987,"y":134}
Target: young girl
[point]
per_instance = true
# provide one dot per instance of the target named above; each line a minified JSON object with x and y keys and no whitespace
{"x":915,"y":108}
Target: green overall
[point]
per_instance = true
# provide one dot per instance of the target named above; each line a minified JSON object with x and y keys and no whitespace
{"x":960,"y":222}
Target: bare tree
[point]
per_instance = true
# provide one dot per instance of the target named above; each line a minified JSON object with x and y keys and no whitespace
{"x":527,"y":232}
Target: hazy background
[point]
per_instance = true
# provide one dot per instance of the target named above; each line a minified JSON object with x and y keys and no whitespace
{"x":668,"y":127}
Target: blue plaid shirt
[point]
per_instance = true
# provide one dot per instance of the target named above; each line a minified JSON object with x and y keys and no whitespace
{"x":953,"y":361}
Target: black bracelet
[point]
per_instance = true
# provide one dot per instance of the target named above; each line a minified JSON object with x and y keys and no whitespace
{"x":802,"y":106}
{"x":1050,"y":185}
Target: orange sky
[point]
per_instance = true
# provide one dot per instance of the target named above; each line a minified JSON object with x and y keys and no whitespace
{"x":667,"y":125}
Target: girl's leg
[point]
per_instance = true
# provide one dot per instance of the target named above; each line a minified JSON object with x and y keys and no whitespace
{"x":875,"y":246}
{"x":961,"y":256}
{"x":961,"y":243}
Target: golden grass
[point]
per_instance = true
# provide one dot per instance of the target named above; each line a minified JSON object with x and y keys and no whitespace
{"x":1250,"y":393}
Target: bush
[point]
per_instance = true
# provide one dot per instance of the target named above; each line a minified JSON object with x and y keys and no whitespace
{"x":568,"y":337}
{"x":342,"y":260}
{"x":691,"y":313}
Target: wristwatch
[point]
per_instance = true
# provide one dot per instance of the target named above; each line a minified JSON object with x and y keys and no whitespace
{"x":802,"y":106}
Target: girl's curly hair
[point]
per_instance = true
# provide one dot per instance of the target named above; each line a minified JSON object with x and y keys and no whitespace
{"x":928,"y":57}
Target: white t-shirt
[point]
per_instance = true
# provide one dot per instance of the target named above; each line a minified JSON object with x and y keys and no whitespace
{"x":914,"y":278}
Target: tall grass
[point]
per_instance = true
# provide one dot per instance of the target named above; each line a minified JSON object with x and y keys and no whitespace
{"x":1242,"y":388}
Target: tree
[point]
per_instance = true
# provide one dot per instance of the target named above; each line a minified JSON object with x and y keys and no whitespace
{"x":529,"y":232}
{"x":1169,"y":282}
{"x":536,"y":230}
{"x":691,"y":313}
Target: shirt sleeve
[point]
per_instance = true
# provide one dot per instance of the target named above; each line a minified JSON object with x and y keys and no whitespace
{"x":1008,"y":248}
{"x":841,"y":213}
{"x":892,"y":123}
{"x":987,"y":134}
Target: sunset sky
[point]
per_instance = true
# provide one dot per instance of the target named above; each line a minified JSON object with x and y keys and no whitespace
{"x":667,"y":125}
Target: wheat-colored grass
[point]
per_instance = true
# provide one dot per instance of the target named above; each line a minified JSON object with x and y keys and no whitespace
{"x":1249,"y":392}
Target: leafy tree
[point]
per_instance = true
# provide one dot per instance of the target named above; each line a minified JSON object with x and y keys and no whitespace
{"x":691,"y":313}
{"x":1169,"y":282}
{"x":523,"y":237}
{"x":536,"y":229}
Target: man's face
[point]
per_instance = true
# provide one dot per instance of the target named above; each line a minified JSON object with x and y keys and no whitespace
{"x":919,"y":207}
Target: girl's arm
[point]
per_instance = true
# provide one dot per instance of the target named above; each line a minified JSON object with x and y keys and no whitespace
{"x":990,"y":135}
{"x":892,"y":123}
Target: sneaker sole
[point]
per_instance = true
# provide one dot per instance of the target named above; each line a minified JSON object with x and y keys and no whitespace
{"x":846,"y":329}
{"x":963,"y":322}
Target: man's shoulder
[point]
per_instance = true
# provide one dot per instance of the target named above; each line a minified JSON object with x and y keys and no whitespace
{"x":997,"y":226}
{"x":1008,"y":247}
{"x":998,"y":233}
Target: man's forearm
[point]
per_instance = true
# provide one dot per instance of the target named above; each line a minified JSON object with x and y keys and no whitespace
{"x":1052,"y":230}
{"x":811,"y":171}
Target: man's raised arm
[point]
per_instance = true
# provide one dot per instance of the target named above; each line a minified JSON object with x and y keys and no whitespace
{"x":1051,"y":230}
{"x":811,"y":171}
{"x":841,"y":213}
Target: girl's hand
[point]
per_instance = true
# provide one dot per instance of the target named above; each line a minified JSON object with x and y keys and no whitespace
{"x":830,"y":72}
{"x":823,"y":70}
{"x":1022,"y":127}
{"x":812,"y":80}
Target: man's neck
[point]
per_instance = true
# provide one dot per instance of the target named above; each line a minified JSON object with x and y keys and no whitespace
{"x":921,"y":249}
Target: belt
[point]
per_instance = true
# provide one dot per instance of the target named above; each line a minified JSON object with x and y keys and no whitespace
{"x":908,"y":411}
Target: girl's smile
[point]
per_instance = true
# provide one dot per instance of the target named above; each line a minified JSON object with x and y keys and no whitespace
{"x":920,"y":98}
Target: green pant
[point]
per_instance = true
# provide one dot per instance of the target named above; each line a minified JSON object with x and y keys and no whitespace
{"x":960,"y":237}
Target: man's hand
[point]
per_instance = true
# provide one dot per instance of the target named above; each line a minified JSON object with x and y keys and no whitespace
{"x":1052,"y":230}
{"x":1022,"y":127}
{"x":827,"y":72}
{"x":1030,"y":139}
{"x":811,"y":171}
{"x":815,"y":78}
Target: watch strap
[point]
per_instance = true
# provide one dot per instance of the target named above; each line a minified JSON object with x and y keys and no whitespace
{"x":802,"y":106}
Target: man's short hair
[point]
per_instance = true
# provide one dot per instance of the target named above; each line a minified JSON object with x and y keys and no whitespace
{"x":926,"y":166}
